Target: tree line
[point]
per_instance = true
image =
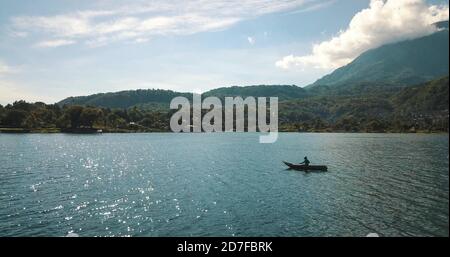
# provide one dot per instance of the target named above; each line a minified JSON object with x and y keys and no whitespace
{"x":312,"y":116}
{"x":41,"y":116}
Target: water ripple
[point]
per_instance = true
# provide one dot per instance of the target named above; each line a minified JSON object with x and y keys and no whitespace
{"x":223,"y":184}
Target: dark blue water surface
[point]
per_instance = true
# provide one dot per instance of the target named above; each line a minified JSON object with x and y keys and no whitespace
{"x":223,"y":184}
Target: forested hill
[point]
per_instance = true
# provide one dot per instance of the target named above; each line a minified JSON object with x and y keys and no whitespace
{"x":156,"y":98}
{"x":126,"y":99}
{"x":428,"y":98}
{"x":408,"y":62}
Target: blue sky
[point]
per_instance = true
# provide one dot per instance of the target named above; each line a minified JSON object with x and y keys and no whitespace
{"x":52,"y":49}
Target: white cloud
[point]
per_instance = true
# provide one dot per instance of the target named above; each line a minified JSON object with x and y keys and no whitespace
{"x":251,"y":40}
{"x":145,"y":20}
{"x":315,"y":6}
{"x":381,"y":23}
{"x":55,"y":43}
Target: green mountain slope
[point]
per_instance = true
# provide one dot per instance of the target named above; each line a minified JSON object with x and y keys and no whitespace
{"x":408,"y":62}
{"x":151,"y":98}
{"x":428,"y":98}
{"x":126,"y":99}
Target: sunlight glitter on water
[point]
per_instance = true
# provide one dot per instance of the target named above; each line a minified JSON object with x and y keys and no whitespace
{"x":223,"y":185}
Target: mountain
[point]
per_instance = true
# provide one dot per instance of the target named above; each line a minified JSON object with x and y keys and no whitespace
{"x":408,"y":62}
{"x":156,"y":98}
{"x":125,"y":99}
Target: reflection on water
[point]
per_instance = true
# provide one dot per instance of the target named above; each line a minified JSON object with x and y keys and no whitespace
{"x":223,"y":184}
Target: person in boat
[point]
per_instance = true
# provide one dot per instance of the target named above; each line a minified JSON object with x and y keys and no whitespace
{"x":305,"y":161}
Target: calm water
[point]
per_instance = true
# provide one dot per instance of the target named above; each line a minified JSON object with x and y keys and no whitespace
{"x":223,"y":185}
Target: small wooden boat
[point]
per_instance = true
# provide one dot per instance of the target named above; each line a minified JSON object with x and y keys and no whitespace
{"x":306,"y":167}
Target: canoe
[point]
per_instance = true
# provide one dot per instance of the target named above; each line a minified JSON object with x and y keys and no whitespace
{"x":306,"y":168}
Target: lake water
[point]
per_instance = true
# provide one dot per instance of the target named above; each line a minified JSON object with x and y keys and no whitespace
{"x":223,"y":184}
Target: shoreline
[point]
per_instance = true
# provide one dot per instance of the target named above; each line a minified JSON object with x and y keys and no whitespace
{"x":124,"y":131}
